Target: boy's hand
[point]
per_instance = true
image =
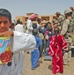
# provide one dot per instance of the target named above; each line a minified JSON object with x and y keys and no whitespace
{"x":7,"y":33}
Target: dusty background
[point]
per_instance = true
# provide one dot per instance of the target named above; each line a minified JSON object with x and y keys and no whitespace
{"x":45,"y":67}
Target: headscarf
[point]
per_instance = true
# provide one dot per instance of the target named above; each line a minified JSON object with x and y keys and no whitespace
{"x":33,"y":16}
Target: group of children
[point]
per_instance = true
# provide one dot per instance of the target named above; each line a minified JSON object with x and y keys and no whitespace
{"x":55,"y":44}
{"x":51,"y":42}
{"x":41,"y":38}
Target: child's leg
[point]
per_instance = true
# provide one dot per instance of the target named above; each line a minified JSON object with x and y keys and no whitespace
{"x":69,"y":56}
{"x":66,"y":58}
{"x":34,"y":58}
{"x":41,"y":50}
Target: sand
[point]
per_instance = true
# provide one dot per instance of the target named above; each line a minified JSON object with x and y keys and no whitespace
{"x":45,"y":67}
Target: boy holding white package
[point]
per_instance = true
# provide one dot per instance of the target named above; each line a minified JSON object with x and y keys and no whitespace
{"x":11,"y":42}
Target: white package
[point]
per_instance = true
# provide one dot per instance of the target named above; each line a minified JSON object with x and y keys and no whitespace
{"x":23,"y":41}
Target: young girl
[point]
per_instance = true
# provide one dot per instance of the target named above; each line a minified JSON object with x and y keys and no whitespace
{"x":57,"y":43}
{"x":48,"y":34}
{"x":35,"y":53}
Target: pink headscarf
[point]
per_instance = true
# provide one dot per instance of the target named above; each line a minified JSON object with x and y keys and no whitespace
{"x":33,"y":16}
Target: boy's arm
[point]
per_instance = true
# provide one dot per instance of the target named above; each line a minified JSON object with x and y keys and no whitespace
{"x":23,"y":41}
{"x":7,"y":33}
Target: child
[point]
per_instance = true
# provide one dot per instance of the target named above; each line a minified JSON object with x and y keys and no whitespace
{"x":35,"y":53}
{"x":48,"y":34}
{"x":41,"y":36}
{"x":21,"y":41}
{"x":57,"y":43}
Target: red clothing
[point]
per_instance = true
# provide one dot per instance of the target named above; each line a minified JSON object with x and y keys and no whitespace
{"x":57,"y":43}
{"x":6,"y":57}
{"x":46,"y":32}
{"x":33,"y":16}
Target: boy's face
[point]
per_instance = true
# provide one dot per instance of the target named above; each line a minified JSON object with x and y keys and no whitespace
{"x":4,"y":24}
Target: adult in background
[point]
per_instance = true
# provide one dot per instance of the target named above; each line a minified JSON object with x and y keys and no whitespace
{"x":38,"y":23}
{"x":72,"y":8}
{"x":19,"y":26}
{"x":30,"y":23}
{"x":66,"y":32}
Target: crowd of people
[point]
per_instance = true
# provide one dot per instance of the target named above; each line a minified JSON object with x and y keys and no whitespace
{"x":39,"y":39}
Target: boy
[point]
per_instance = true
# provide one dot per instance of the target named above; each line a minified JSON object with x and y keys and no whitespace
{"x":21,"y":41}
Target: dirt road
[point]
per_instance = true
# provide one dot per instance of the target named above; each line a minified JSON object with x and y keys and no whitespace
{"x":45,"y":67}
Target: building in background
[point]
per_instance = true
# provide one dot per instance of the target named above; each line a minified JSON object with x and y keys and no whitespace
{"x":44,"y":18}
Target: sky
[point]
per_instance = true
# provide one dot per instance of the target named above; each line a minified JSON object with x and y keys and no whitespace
{"x":41,"y":7}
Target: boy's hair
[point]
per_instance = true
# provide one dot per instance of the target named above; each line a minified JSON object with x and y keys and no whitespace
{"x":5,"y":13}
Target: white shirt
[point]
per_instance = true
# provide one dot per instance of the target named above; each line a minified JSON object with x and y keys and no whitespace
{"x":29,"y":27}
{"x":38,"y":25}
{"x":23,"y":41}
{"x":19,"y":27}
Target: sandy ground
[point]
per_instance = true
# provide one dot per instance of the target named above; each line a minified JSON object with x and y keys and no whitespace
{"x":45,"y":67}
